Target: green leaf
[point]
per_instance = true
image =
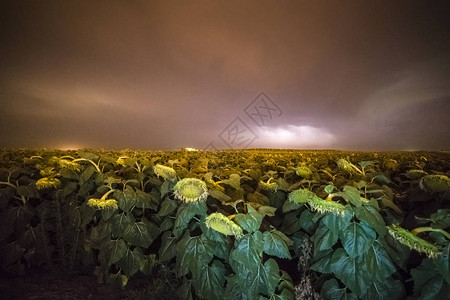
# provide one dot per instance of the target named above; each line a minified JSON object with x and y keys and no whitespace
{"x":117,"y":280}
{"x":264,"y":279}
{"x":371,"y":216}
{"x":284,"y":295}
{"x":332,"y":291}
{"x":251,"y":221}
{"x":337,"y":223}
{"x":138,"y":234}
{"x":166,"y":187}
{"x":224,"y":198}
{"x":88,"y":155}
{"x":247,"y":252}
{"x":357,"y":238}
{"x":291,"y":223}
{"x":378,"y":263}
{"x":132,"y":261}
{"x":168,"y":249}
{"x":427,"y":282}
{"x":114,"y":250}
{"x":442,"y":263}
{"x":125,"y":199}
{"x":385,"y":290}
{"x":193,"y":253}
{"x":289,"y":206}
{"x":329,"y":189}
{"x":322,"y":261}
{"x":234,"y":181}
{"x":348,"y":270}
{"x":351,"y":195}
{"x":168,"y":206}
{"x":120,"y":222}
{"x":145,"y":200}
{"x":87,"y":174}
{"x":324,"y":238}
{"x":274,"y":245}
{"x":149,"y":264}
{"x":209,"y":283}
{"x":306,"y":221}
{"x":267,"y":210}
{"x":185,"y":213}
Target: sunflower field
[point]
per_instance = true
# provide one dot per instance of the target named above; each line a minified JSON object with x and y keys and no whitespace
{"x":234,"y":224}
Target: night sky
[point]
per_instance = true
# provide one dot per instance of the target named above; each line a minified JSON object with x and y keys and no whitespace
{"x":360,"y":75}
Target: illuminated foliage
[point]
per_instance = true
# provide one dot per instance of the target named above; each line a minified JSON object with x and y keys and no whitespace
{"x":222,"y":224}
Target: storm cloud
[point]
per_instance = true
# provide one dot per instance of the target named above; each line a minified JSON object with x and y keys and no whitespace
{"x":170,"y":74}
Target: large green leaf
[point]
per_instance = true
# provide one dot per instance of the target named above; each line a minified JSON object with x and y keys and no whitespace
{"x":371,"y":216}
{"x":168,"y":206}
{"x":357,"y":238}
{"x":385,"y":290}
{"x":146,"y":200}
{"x":349,"y":271}
{"x":429,"y":284}
{"x":284,"y":295}
{"x":185,"y":213}
{"x":262,"y":280}
{"x":290,"y":205}
{"x":193,"y":253}
{"x":125,"y":199}
{"x":322,"y":261}
{"x":337,"y":223}
{"x":332,"y":291}
{"x":274,"y":245}
{"x":442,"y":263}
{"x":378,"y":263}
{"x":324,"y":238}
{"x":251,"y":221}
{"x":291,"y":223}
{"x":120,"y":222}
{"x":139,"y":234}
{"x":351,"y":195}
{"x":113,"y":251}
{"x":132,"y":261}
{"x":210,"y":281}
{"x":168,"y":249}
{"x":247,"y":252}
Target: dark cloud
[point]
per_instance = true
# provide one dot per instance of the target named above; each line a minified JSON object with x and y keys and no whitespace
{"x":165,"y":74}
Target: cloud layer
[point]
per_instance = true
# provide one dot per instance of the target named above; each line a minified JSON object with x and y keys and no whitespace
{"x":169,"y":74}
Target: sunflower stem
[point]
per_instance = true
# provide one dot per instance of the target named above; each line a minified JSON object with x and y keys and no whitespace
{"x":418,"y":230}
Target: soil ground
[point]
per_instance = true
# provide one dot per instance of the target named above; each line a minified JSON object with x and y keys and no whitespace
{"x":51,"y":286}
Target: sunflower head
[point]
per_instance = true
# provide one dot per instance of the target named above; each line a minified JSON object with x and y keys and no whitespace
{"x":327,"y":206}
{"x":304,"y":171}
{"x":272,"y":186}
{"x":65,"y":163}
{"x":390,"y":164}
{"x":47,"y":182}
{"x":345,"y":165}
{"x":222,"y":224}
{"x":414,"y":242}
{"x":103,"y":203}
{"x":190,"y":190}
{"x":165,"y":172}
{"x":415,"y":174}
{"x":435,"y":183}
{"x":301,"y":196}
